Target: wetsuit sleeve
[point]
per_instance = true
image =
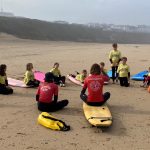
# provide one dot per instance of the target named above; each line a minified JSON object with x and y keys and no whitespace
{"x":6,"y":82}
{"x":110,"y":57}
{"x":38,"y":94}
{"x":83,"y":91}
{"x":119,"y":56}
{"x":128,"y":74}
{"x":59,"y":73}
{"x":56,"y":91}
{"x":84,"y":87}
{"x":37,"y":97}
{"x":55,"y":98}
{"x":118,"y":70}
{"x":110,"y":61}
{"x":56,"y":94}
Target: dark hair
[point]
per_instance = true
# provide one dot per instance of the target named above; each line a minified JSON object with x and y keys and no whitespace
{"x":56,"y":63}
{"x":95,"y":69}
{"x":114,"y":45}
{"x":49,"y":77}
{"x":2,"y":69}
{"x":102,"y":63}
{"x":28,"y":66}
{"x":124,"y":58}
{"x":84,"y":70}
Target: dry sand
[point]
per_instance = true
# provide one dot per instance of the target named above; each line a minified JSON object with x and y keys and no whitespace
{"x":130,"y":107}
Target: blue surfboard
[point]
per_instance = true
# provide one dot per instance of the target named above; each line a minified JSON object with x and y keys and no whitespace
{"x":109,"y":73}
{"x":139,"y":76}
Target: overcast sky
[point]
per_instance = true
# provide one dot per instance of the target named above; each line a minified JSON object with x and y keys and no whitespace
{"x":131,"y":12}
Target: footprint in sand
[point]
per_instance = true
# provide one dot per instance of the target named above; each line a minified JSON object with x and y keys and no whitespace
{"x":4,"y":127}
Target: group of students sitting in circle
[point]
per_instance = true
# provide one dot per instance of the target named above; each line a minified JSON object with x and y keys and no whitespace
{"x":47,"y":93}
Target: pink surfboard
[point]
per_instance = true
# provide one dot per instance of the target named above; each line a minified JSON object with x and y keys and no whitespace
{"x":38,"y":75}
{"x":16,"y":83}
{"x":72,"y":79}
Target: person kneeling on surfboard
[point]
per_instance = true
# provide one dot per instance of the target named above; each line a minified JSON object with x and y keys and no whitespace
{"x":58,"y":79}
{"x":29,"y":79}
{"x":45,"y":94}
{"x":4,"y":88}
{"x":94,"y":83}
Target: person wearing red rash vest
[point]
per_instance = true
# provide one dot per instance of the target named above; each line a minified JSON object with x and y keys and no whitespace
{"x":94,"y":83}
{"x":46,"y":92}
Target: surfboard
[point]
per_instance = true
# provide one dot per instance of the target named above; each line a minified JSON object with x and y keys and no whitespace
{"x":38,"y":75}
{"x":16,"y":83}
{"x":139,"y":76}
{"x":109,"y":73}
{"x":98,"y":116}
{"x":72,"y":79}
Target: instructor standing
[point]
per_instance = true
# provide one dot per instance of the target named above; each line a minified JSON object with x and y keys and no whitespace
{"x":114,"y":57}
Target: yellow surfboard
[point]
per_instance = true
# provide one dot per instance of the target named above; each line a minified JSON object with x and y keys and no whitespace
{"x":99,"y":116}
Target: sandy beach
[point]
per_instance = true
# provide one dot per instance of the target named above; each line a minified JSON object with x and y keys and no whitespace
{"x":129,"y":106}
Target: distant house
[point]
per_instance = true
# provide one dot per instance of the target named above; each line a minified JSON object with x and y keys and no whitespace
{"x":6,"y":14}
{"x":61,"y":22}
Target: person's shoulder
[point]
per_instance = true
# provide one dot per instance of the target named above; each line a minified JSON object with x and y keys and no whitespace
{"x":54,"y":85}
{"x":111,"y":51}
{"x":27,"y":72}
{"x":101,"y":77}
{"x":120,"y":64}
{"x":52,"y":70}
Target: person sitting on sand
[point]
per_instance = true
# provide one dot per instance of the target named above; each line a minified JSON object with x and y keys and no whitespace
{"x":45,"y":93}
{"x":29,"y":79}
{"x":146,"y":81}
{"x":115,"y":58}
{"x":80,"y":76}
{"x":124,"y":72}
{"x":58,"y":79}
{"x":94,"y":83}
{"x":4,"y":88}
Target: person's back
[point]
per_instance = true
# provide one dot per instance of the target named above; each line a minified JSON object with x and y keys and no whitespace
{"x":47,"y":95}
{"x":29,"y":76}
{"x":94,"y":83}
{"x":46,"y":91}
